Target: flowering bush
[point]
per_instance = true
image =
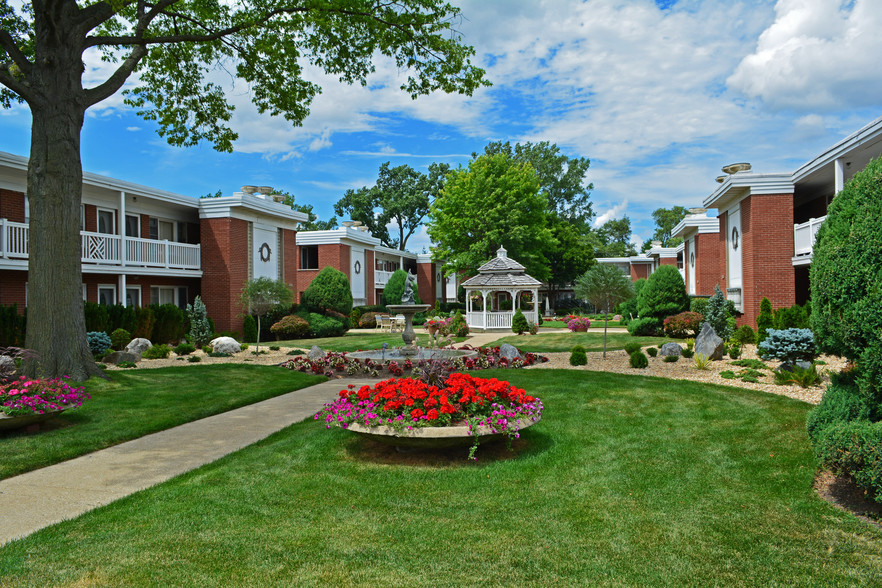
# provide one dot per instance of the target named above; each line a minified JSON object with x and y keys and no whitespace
{"x":578,"y":324}
{"x":24,"y":396}
{"x":407,"y":403}
{"x":683,"y":325}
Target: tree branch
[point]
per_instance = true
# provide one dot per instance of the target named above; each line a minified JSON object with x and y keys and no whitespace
{"x":96,"y":14}
{"x":8,"y":45}
{"x":119,"y":77}
{"x":17,"y":86}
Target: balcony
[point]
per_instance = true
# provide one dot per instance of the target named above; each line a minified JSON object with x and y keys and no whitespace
{"x":381,"y":278}
{"x":104,"y":249}
{"x":804,"y":240}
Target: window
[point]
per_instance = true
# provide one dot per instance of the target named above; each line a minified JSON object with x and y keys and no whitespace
{"x":162,"y":230}
{"x":133,"y":225}
{"x":176,"y":295}
{"x":106,"y":222}
{"x":133,"y":296}
{"x":27,"y":210}
{"x":309,"y":257}
{"x":85,"y":298}
{"x":182,"y":232}
{"x":106,"y":294}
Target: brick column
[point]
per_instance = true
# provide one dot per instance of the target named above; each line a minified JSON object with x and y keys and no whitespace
{"x":426,"y":282}
{"x":224,"y":270}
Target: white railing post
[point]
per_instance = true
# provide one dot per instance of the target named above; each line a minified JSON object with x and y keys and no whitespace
{"x":165,"y":251}
{"x":2,"y":237}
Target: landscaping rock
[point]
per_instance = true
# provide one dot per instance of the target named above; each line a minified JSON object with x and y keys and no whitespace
{"x":509,"y":352}
{"x":7,"y":364}
{"x":120,"y":356}
{"x":670,"y":349}
{"x":138,"y":346}
{"x":788,"y":367}
{"x":316,"y":353}
{"x":225,"y":345}
{"x":708,"y":343}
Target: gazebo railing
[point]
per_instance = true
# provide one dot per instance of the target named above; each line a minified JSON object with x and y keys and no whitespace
{"x":496,"y":319}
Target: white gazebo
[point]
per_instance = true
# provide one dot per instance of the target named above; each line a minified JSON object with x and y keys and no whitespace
{"x":499,"y":280}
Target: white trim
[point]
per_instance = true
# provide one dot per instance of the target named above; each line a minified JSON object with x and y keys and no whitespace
{"x":840,"y":149}
{"x":249,"y":207}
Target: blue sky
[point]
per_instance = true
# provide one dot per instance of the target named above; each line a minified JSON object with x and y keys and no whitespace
{"x":658,"y":95}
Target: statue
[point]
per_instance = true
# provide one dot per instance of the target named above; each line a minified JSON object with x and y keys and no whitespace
{"x":409,"y":283}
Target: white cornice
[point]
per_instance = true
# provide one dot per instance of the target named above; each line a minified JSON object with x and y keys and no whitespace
{"x":698,"y":223}
{"x":249,"y":207}
{"x":343,"y":235}
{"x":742,"y":184}
{"x":840,"y":149}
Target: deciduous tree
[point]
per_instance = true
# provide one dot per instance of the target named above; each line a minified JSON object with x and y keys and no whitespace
{"x":604,"y":286}
{"x":173,"y":46}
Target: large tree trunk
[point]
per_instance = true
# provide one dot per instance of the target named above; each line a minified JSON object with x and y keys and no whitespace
{"x":56,"y":328}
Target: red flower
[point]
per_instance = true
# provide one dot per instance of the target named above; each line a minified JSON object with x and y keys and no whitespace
{"x":417,"y":413}
{"x":432,"y":414}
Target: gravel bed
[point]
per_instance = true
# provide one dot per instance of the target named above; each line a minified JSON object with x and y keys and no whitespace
{"x":684,"y":369}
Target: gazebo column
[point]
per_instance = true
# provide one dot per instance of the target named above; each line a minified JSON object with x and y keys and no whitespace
{"x":535,"y":292}
{"x":513,"y":294}
{"x":484,"y":295}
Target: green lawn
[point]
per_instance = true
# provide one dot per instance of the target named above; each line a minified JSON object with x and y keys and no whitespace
{"x":135,"y":403}
{"x":357,"y":341}
{"x":591,"y":341}
{"x":627,"y":481}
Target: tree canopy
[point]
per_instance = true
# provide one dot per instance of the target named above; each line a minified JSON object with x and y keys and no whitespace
{"x":604,"y":286}
{"x":172,"y":49}
{"x":665,"y":221}
{"x":494,"y":202}
{"x":401,"y":196}
{"x":614,"y":239}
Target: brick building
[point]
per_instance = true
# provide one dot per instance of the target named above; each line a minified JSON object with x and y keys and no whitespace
{"x":143,"y":246}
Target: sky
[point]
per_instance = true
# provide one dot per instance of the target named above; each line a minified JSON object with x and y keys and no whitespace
{"x":659,"y":95}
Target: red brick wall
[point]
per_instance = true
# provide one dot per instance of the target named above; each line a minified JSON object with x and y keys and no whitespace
{"x":721,"y":243}
{"x":370,"y":264}
{"x":767,"y":251}
{"x":667,"y":261}
{"x":289,"y":256}
{"x":12,"y":287}
{"x":224,"y":269}
{"x":426,"y":282}
{"x":639,"y":270}
{"x":145,"y":226}
{"x":334,"y":255}
{"x":709,"y":260}
{"x":12,"y":206}
{"x":144,"y":282}
{"x":91,"y":213}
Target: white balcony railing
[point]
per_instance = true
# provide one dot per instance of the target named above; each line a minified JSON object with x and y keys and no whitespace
{"x":381,"y":278}
{"x":804,"y":236}
{"x":496,"y":320}
{"x":100,"y":248}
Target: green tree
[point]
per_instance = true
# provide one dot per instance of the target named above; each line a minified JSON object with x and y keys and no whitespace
{"x":604,"y":286}
{"x":200,"y":329}
{"x":569,"y":256}
{"x":717,"y":314}
{"x":614,"y":239}
{"x":401,"y":196}
{"x":329,"y":290}
{"x":665,"y":221}
{"x":313,"y":224}
{"x":260,"y":295}
{"x":764,"y":320}
{"x":519,"y":323}
{"x":663,"y":295}
{"x":175,"y":46}
{"x":495,"y":202}
{"x":394,"y":289}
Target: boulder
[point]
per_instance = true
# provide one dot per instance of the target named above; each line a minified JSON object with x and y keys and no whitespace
{"x":670,"y":349}
{"x":509,"y":352}
{"x":7,"y":364}
{"x":138,"y":346}
{"x":315,"y":353}
{"x":708,"y":343}
{"x":225,"y":345}
{"x":120,"y":356}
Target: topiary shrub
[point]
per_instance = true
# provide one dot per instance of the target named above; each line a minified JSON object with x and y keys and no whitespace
{"x":578,"y":356}
{"x":652,"y":351}
{"x":329,"y":290}
{"x":184,"y":349}
{"x":249,"y":329}
{"x":291,"y":327}
{"x":789,"y":345}
{"x":717,"y":314}
{"x":99,"y":342}
{"x":200,"y":329}
{"x":630,"y":348}
{"x":638,"y":360}
{"x":648,"y":326}
{"x":519,"y":323}
{"x":764,"y":320}
{"x":120,"y":338}
{"x":161,"y":351}
{"x":663,"y":295}
{"x":324,"y":326}
{"x":685,"y":324}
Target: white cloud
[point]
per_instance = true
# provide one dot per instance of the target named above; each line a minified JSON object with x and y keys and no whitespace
{"x":817,"y":54}
{"x":616,"y":211}
{"x":133,"y":129}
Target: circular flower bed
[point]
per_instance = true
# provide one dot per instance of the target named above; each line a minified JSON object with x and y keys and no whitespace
{"x":25,"y":401}
{"x":395,"y":407}
{"x":578,"y":324}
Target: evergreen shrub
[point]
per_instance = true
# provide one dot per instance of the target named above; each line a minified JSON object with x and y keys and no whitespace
{"x":97,"y":317}
{"x":200,"y":328}
{"x":630,"y":348}
{"x":99,"y":342}
{"x":578,"y":356}
{"x":717,"y":314}
{"x":394,"y":289}
{"x":652,"y":351}
{"x":184,"y":349}
{"x":519,"y":323}
{"x":169,"y":323}
{"x":841,"y":402}
{"x":638,"y":360}
{"x":648,"y":326}
{"x":628,"y":308}
{"x":325,"y":326}
{"x":852,"y":448}
{"x":671,"y":358}
{"x":121,"y":317}
{"x":458,"y":326}
{"x":795,"y":317}
{"x":764,"y":320}
{"x":12,"y":326}
{"x":291,"y":327}
{"x":789,"y":345}
{"x":161,"y":351}
{"x":663,"y":295}
{"x":249,"y":329}
{"x":744,"y":335}
{"x":368,"y":320}
{"x":329,"y":290}
{"x":120,"y":338}
{"x":144,"y":321}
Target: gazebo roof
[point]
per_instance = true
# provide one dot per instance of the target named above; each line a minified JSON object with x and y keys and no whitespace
{"x":501,"y":272}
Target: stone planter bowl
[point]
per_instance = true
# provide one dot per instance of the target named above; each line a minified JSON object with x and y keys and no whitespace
{"x":432,"y":437}
{"x":8,"y":423}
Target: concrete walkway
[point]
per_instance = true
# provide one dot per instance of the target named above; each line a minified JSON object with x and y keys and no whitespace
{"x":66,"y":490}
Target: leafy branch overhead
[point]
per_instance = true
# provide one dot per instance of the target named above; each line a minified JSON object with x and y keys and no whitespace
{"x":176,"y":46}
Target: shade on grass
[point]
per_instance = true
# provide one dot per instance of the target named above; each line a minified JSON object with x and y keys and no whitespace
{"x":359,"y":341}
{"x":626,"y":481}
{"x":138,"y":402}
{"x":591,"y":341}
